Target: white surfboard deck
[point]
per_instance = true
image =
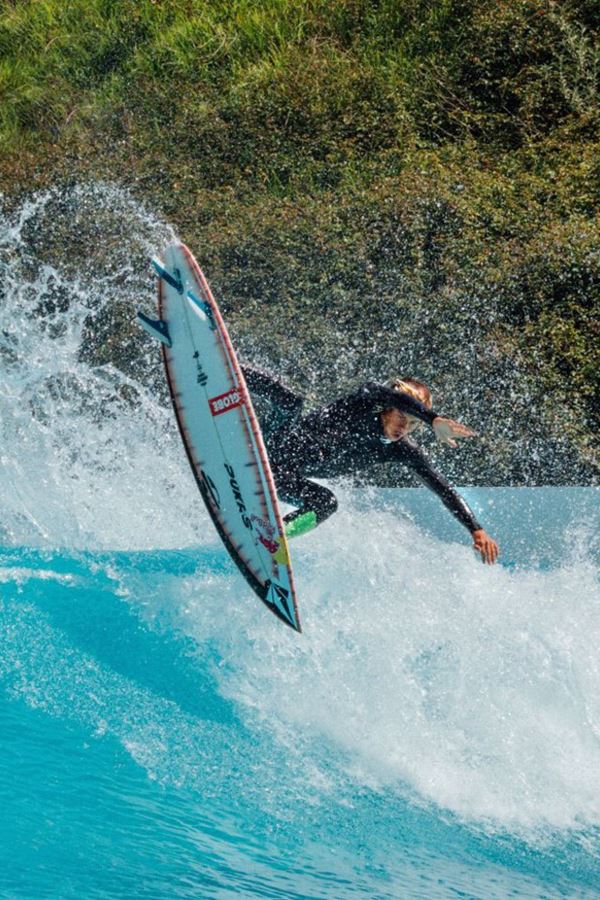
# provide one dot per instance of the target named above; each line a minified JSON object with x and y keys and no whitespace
{"x":220,"y":431}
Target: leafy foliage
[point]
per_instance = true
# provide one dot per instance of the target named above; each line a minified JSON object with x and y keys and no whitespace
{"x":385,"y":184}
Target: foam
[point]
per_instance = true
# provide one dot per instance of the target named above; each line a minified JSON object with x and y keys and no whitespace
{"x":474,"y":688}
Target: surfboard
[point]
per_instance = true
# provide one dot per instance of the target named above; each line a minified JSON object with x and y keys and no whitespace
{"x":220,"y":431}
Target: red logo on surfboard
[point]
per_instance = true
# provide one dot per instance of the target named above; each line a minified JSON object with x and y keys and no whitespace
{"x":224,"y":402}
{"x":272,"y":546}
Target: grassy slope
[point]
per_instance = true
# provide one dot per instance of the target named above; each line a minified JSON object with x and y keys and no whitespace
{"x":417,"y":181}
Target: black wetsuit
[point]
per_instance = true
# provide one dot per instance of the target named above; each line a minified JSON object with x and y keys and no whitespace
{"x":340,"y":439}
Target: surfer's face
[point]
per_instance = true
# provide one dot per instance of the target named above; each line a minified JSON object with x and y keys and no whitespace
{"x":397,"y":425}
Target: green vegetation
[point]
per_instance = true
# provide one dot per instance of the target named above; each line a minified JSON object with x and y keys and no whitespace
{"x":416,"y":182}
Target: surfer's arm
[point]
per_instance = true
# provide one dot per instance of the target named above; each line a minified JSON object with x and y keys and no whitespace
{"x":272,"y":389}
{"x":447,"y":431}
{"x":413,"y":456}
{"x":383,"y":397}
{"x":458,"y":506}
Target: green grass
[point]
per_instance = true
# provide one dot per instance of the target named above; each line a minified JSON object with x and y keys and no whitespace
{"x":383,"y":149}
{"x":446,"y":69}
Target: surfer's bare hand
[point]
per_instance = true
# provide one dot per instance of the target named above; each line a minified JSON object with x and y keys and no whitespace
{"x":447,"y":431}
{"x":486,"y":546}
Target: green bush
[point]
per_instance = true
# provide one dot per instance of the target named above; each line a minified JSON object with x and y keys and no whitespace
{"x":405,"y":184}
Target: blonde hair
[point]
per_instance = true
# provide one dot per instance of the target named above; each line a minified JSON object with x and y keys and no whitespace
{"x":411,"y":386}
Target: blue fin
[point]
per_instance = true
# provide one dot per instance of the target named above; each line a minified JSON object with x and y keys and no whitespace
{"x":174,"y":280}
{"x":202,"y":309}
{"x":156,"y":328}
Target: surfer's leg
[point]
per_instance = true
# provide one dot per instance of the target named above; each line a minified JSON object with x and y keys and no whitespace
{"x":314,"y":502}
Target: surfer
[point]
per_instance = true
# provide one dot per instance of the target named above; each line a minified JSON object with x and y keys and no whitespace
{"x":373,"y":424}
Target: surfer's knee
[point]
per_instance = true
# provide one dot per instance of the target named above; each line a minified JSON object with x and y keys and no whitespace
{"x":328,"y":507}
{"x":323,"y":503}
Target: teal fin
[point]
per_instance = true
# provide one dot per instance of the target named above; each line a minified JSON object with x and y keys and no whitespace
{"x":301,"y":524}
{"x":156,"y":328}
{"x":174,"y":280}
{"x":202,"y":309}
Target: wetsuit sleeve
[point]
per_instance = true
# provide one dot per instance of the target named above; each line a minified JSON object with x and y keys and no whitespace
{"x":413,"y":456}
{"x":383,"y":397}
{"x":269,"y":387}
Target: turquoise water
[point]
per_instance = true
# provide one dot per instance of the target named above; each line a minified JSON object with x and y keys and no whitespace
{"x":434,"y":732}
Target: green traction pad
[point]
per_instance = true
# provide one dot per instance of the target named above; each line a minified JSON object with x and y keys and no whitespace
{"x":301,"y":524}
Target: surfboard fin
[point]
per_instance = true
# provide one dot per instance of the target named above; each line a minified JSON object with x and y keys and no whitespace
{"x":156,"y":328}
{"x":173,"y":279}
{"x":278,"y":597}
{"x":202,"y":309}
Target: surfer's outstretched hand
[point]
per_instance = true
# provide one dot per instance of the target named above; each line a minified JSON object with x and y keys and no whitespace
{"x":447,"y":431}
{"x":486,"y":546}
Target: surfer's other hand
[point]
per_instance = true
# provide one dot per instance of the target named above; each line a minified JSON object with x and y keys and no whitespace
{"x":486,"y":546}
{"x":447,"y":431}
